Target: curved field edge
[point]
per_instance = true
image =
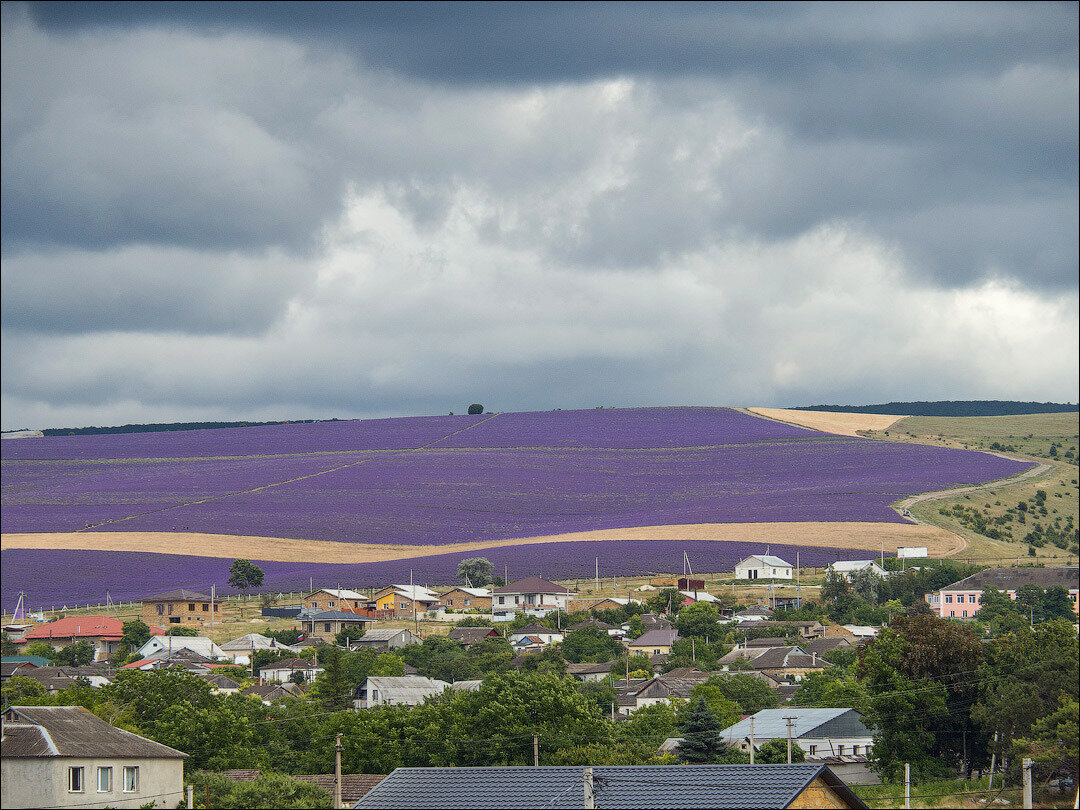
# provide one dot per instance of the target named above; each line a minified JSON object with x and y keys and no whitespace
{"x":856,"y":535}
{"x":839,"y":422}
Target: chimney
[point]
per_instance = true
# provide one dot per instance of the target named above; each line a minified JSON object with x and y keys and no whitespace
{"x":813,"y":658}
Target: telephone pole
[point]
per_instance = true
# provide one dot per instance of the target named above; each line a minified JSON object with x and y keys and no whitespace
{"x":789,"y":720}
{"x":337,"y":773}
{"x":751,"y":740}
{"x":536,"y":750}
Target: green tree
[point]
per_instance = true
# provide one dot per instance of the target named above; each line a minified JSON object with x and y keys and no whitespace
{"x":829,"y":689}
{"x":476,"y":409}
{"x":78,"y":654}
{"x":440,"y":657}
{"x":590,"y":644}
{"x":245,"y":575}
{"x":475,"y":571}
{"x":136,"y":633}
{"x":332,"y":688}
{"x":268,"y":789}
{"x":349,"y":633}
{"x":774,"y":752}
{"x":7,"y":646}
{"x":699,"y":620}
{"x":19,"y":690}
{"x":40,"y":648}
{"x":1054,"y":742}
{"x":700,"y":729}
{"x":748,"y":692}
{"x":666,"y":600}
{"x":1057,"y":604}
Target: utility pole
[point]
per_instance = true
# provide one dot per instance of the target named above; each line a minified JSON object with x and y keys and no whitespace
{"x":907,"y":785}
{"x":190,"y":795}
{"x":536,"y":750}
{"x":590,"y":800}
{"x":993,"y":762}
{"x":1027,"y":783}
{"x":597,"y":576}
{"x":337,"y":773}
{"x":751,"y":740}
{"x":212,"y":595}
{"x":789,"y":722}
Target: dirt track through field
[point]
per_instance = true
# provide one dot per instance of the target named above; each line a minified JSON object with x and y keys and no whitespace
{"x":868,"y":536}
{"x":843,"y":424}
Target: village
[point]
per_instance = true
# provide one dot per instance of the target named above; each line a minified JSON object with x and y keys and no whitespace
{"x":768,"y":664}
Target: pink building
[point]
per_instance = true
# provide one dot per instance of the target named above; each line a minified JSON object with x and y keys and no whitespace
{"x":961,"y":599}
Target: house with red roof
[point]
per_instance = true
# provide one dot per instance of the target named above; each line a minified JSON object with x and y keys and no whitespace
{"x":103,"y":632}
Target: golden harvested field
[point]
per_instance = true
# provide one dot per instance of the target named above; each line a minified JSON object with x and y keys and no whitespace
{"x":842,"y":424}
{"x":869,"y":536}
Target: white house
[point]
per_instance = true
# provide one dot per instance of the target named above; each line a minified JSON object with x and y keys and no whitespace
{"x":166,"y":645}
{"x":532,"y":595}
{"x":64,"y":756}
{"x":764,"y":566}
{"x":820,"y":733}
{"x":408,"y":690}
{"x":546,"y":635}
{"x":848,"y":568}
{"x":284,"y":671}
{"x":241,"y":649}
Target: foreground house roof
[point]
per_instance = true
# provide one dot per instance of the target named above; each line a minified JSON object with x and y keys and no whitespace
{"x":619,"y":786}
{"x":808,"y":722}
{"x":72,"y":731}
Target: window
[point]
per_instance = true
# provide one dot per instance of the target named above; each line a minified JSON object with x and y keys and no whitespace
{"x":948,"y":599}
{"x":131,"y":778}
{"x":104,"y":780}
{"x":330,"y":603}
{"x":468,"y":602}
{"x":855,"y":750}
{"x":191,"y":607}
{"x":205,"y":607}
{"x":174,"y":620}
{"x":840,"y":750}
{"x":75,"y":783}
{"x":972,"y":598}
{"x":160,"y":609}
{"x":952,"y":614}
{"x":326,"y":627}
{"x":502,"y":600}
{"x":314,"y":605}
{"x":965,"y":614}
{"x":813,"y":750}
{"x":170,"y":608}
{"x":517,"y":600}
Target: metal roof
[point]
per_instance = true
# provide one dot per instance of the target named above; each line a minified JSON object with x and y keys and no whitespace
{"x":771,"y":723}
{"x":659,"y":637}
{"x":408,"y":689}
{"x":334,"y":616}
{"x":625,"y":786}
{"x":1009,"y":579}
{"x":767,"y":559}
{"x":380,"y":634}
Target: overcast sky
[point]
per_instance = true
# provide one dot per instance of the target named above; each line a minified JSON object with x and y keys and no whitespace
{"x":307,"y":210}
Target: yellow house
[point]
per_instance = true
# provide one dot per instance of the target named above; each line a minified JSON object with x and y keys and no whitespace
{"x":654,"y":642}
{"x":404,"y":599}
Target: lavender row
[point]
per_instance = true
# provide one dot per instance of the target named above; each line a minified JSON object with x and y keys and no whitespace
{"x":626,"y":428}
{"x":316,"y":437}
{"x":447,"y":496}
{"x":55,"y":578}
{"x":67,"y":495}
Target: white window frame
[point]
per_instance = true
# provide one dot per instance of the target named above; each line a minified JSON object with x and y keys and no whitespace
{"x":76,"y":779}
{"x":131,"y":771}
{"x":106,"y":772}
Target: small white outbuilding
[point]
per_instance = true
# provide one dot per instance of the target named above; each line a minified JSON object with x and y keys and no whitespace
{"x":764,"y":566}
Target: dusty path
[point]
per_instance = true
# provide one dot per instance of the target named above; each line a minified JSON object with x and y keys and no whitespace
{"x":1039,"y":469}
{"x":868,"y":536}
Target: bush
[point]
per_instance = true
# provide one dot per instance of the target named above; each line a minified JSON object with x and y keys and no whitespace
{"x":476,"y":409}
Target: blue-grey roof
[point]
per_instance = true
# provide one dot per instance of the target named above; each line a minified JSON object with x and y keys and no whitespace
{"x":770,"y":723}
{"x":623,"y":786}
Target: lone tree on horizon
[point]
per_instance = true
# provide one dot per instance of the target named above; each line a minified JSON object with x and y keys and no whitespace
{"x":476,"y":409}
{"x":244,"y":575}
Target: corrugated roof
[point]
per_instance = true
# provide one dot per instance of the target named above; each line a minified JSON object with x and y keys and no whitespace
{"x":75,"y":732}
{"x":343,"y":593}
{"x":768,"y":559}
{"x":380,"y":634}
{"x":655,"y":638}
{"x":626,"y":786}
{"x":472,"y":635}
{"x":409,"y":689}
{"x":770,"y":723}
{"x":532,"y":585}
{"x":197,"y":644}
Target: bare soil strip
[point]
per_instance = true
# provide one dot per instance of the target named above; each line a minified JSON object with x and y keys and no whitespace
{"x":842,"y":424}
{"x":868,"y":536}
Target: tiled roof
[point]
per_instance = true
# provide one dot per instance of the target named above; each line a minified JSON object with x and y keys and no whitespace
{"x":787,"y":658}
{"x":291,"y":664}
{"x":591,"y":622}
{"x":772,"y":723}
{"x":532,"y":585}
{"x":179,"y":595}
{"x":72,"y":731}
{"x":626,"y":786}
{"x":472,"y":635}
{"x":78,"y":627}
{"x":589,"y":669}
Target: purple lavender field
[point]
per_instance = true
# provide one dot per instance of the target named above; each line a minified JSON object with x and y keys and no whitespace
{"x":438,"y":480}
{"x":58,"y":578}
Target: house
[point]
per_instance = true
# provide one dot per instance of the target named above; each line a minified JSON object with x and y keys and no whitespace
{"x":528,"y":644}
{"x":96,"y":675}
{"x":222,"y":684}
{"x":540,"y":634}
{"x":604,"y":603}
{"x":533,"y":595}
{"x":51,"y":678}
{"x":64,"y":756}
{"x":181,"y":606}
{"x":472,"y":635}
{"x":334,"y":599}
{"x":820,"y":646}
{"x":590,"y":673}
{"x":961,"y":599}
{"x":410,"y":690}
{"x":764,"y":566}
{"x":182,"y":658}
{"x":353,"y":785}
{"x":384,"y":639}
{"x":758,"y":613}
{"x":653,"y":642}
{"x":804,"y":785}
{"x":241,"y":649}
{"x":103,"y":632}
{"x":779,"y":663}
{"x":164,"y":646}
{"x":467,"y":599}
{"x":9,"y":669}
{"x":289,"y":670}
{"x":650,"y":621}
{"x":690,"y":597}
{"x":269,"y":692}
{"x":805,"y":629}
{"x":861,"y":632}
{"x":661,"y":689}
{"x":848,"y":568}
{"x":614,"y":632}
{"x":327,"y":624}
{"x":837,"y":736}
{"x":406,"y":600}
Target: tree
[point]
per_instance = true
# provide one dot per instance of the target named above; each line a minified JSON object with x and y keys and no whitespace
{"x":701,"y":735}
{"x":475,"y":571}
{"x":699,"y":619}
{"x":245,"y":575}
{"x":476,"y":409}
{"x":136,"y":633}
{"x":590,"y":644}
{"x":1053,"y":742}
{"x":349,"y":633}
{"x":265,"y":790}
{"x":750,"y":693}
{"x":7,"y":646}
{"x":78,"y":654}
{"x":774,"y":752}
{"x":181,"y":630}
{"x":666,"y":600}
{"x":40,"y":648}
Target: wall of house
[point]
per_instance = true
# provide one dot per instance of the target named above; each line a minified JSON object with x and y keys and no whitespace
{"x":43,"y":782}
{"x":818,"y":794}
{"x":466,"y":602}
{"x":182,"y":613}
{"x":964,"y":604}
